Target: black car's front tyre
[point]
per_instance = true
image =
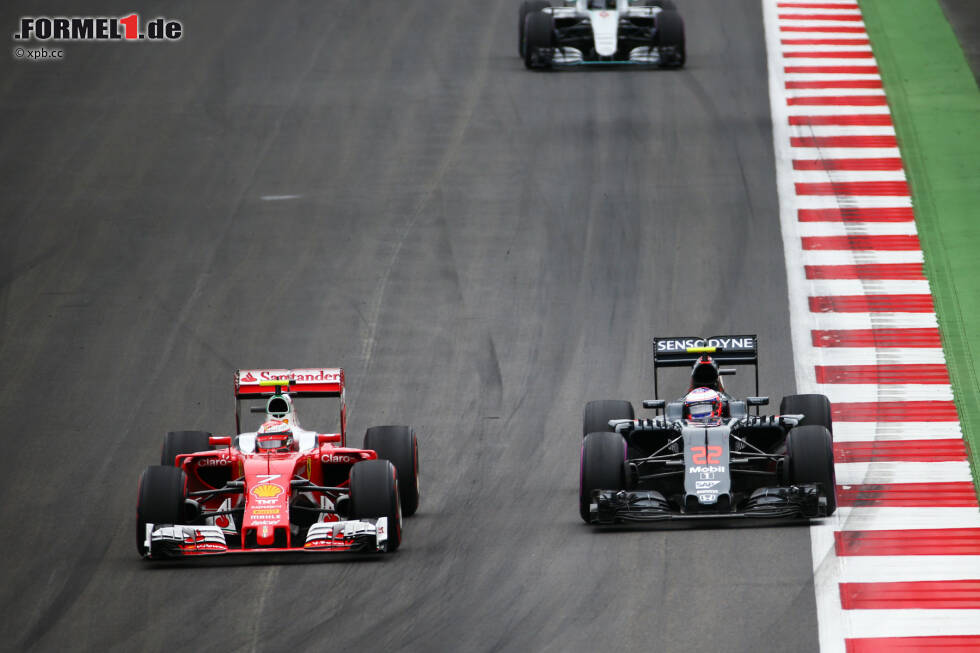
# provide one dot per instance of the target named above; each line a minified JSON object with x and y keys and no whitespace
{"x":527,"y":7}
{"x":177,"y":443}
{"x":810,"y":459}
{"x":159,"y":500}
{"x":539,"y":39}
{"x":601,"y":467}
{"x":374,"y":494}
{"x":399,"y":445}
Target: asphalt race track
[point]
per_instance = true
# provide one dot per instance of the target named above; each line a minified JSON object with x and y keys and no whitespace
{"x":383,"y":187}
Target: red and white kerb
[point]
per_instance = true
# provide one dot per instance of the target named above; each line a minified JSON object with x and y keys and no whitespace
{"x":898,"y":566}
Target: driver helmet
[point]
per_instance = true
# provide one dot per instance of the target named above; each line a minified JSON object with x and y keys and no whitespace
{"x":602,"y":4}
{"x":702,"y":404}
{"x":274,"y":436}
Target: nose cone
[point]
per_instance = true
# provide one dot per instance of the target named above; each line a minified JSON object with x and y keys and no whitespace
{"x":605,"y":31}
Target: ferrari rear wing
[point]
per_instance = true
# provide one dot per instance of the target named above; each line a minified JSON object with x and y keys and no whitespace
{"x":685,"y":351}
{"x":305,"y":382}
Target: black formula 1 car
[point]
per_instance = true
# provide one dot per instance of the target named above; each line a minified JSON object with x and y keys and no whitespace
{"x":577,"y":32}
{"x":729,"y":464}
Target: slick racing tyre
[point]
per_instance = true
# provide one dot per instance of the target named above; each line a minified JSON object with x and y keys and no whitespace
{"x":527,"y":7}
{"x":399,"y":445}
{"x":815,"y":408}
{"x":599,"y":412}
{"x":177,"y":443}
{"x":159,"y":500}
{"x":810,"y":459}
{"x":669,"y":39}
{"x":603,"y":455}
{"x":539,"y":39}
{"x":374,"y":493}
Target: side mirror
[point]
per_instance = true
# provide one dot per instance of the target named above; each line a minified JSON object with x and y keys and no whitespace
{"x":727,"y":371}
{"x":220,"y":440}
{"x":323,"y":438}
{"x":654,"y":404}
{"x":757,"y":401}
{"x":791,"y":420}
{"x":618,"y":425}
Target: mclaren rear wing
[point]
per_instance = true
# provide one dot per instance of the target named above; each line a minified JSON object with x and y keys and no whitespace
{"x":685,"y":351}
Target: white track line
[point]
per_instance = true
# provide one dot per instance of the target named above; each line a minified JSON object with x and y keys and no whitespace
{"x":852,"y":321}
{"x":870,"y":431}
{"x":845,"y":392}
{"x":849,"y":228}
{"x":871,"y":356}
{"x":898,"y":569}
{"x":900,"y":472}
{"x":893,"y":519}
{"x":911,"y":623}
{"x":833,"y":257}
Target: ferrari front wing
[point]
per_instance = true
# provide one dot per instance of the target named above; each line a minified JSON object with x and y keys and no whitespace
{"x":352,"y":536}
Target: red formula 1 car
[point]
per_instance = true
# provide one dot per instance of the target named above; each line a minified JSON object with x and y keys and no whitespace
{"x":277,"y":487}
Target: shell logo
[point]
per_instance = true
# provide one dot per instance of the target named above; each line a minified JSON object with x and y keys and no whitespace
{"x":267,"y":491}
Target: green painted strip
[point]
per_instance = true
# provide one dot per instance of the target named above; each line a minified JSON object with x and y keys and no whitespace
{"x":935,"y":106}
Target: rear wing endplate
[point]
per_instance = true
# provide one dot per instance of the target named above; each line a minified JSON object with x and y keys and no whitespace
{"x":685,"y":351}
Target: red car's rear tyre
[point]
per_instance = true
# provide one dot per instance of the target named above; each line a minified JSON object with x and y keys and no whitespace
{"x":176,"y":443}
{"x":399,"y":445}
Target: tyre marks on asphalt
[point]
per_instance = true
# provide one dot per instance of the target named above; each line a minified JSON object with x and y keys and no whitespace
{"x":898,"y":566}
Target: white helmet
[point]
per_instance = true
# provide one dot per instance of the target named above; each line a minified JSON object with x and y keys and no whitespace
{"x":702,"y":404}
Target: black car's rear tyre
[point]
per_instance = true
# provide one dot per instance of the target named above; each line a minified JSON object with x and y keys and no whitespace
{"x":159,"y":499}
{"x":669,"y":39}
{"x":539,"y":33}
{"x":810,"y":459}
{"x":815,"y":408}
{"x":599,"y":412}
{"x":177,"y":443}
{"x":374,"y":493}
{"x":399,"y":445}
{"x":601,"y":467}
{"x":527,"y":7}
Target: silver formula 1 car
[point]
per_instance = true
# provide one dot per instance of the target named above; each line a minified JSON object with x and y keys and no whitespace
{"x":576,"y":32}
{"x":706,"y":456}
